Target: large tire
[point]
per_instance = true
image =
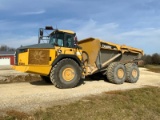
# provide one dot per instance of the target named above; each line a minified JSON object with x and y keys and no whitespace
{"x":46,"y":79}
{"x":132,"y":72}
{"x":65,"y":74}
{"x":116,"y":73}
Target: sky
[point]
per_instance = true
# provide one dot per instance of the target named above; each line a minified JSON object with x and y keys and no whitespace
{"x":134,"y":23}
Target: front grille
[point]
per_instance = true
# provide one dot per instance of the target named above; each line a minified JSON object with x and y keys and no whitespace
{"x":38,"y":56}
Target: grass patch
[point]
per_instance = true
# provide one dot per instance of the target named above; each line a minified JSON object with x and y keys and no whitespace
{"x":15,"y":115}
{"x":141,"y":104}
{"x":153,"y":68}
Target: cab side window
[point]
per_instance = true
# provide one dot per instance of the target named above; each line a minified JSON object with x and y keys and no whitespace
{"x":60,"y":39}
{"x":69,"y":41}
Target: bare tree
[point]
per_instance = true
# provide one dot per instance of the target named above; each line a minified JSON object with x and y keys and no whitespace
{"x":156,"y":58}
{"x":147,"y":59}
{"x":6,"y":48}
{"x":151,"y":59}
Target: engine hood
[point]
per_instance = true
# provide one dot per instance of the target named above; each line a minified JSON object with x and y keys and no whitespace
{"x":43,"y":45}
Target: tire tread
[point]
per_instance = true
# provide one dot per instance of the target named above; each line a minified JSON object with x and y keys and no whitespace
{"x":55,"y":67}
{"x":128,"y":70}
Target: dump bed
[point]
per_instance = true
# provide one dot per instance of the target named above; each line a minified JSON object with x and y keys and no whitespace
{"x":100,"y":52}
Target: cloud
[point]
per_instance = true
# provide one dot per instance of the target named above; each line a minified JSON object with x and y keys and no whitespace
{"x":141,"y":32}
{"x":17,"y":41}
{"x":93,"y":28}
{"x":33,"y":12}
{"x":2,"y":7}
{"x":147,"y":39}
{"x":134,"y":23}
{"x":14,"y":27}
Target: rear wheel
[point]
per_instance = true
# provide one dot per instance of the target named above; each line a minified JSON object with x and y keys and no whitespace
{"x":46,"y":79}
{"x":132,"y":72}
{"x":116,"y":73}
{"x":65,"y":74}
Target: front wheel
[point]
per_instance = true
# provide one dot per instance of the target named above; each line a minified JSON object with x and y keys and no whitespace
{"x":65,"y":74}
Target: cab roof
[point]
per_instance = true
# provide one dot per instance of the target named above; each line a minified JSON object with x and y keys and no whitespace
{"x":67,"y":31}
{"x":63,"y":31}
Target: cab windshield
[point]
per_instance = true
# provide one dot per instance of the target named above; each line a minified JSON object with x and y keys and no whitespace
{"x":62,"y":40}
{"x":57,"y":38}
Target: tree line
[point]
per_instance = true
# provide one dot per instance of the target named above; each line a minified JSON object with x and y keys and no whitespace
{"x":6,"y":48}
{"x":151,"y":59}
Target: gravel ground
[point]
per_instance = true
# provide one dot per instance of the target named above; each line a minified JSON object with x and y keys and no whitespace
{"x":5,"y":67}
{"x":31,"y":96}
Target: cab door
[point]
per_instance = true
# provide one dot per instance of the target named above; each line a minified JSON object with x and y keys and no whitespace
{"x":69,"y":44}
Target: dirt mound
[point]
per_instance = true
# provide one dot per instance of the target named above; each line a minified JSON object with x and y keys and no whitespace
{"x":10,"y":76}
{"x":19,"y":78}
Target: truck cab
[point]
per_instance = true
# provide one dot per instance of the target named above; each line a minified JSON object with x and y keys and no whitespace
{"x":62,"y":38}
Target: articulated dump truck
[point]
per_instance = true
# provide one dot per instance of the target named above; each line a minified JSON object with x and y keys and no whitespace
{"x":64,"y":61}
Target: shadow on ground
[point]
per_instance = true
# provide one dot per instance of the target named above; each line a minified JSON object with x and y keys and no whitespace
{"x":95,"y":77}
{"x":40,"y":83}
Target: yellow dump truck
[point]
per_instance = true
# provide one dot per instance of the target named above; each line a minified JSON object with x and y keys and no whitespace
{"x":64,"y":61}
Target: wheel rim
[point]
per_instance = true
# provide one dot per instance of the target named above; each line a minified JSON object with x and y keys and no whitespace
{"x":120,"y":73}
{"x":68,"y":74}
{"x":134,"y":73}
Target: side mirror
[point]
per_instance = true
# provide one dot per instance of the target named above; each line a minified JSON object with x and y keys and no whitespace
{"x":41,"y":32}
